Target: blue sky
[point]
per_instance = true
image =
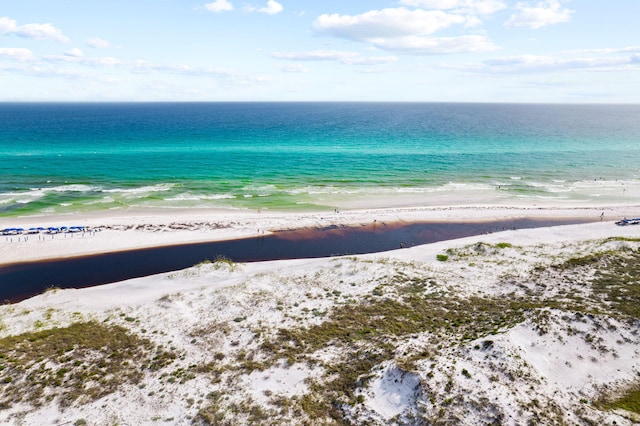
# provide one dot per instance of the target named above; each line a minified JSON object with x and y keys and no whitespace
{"x":299,"y":50}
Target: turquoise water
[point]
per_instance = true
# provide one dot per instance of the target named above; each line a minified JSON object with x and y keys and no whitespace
{"x":58,"y":158}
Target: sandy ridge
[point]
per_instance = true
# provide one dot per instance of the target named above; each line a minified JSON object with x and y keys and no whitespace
{"x":142,"y":228}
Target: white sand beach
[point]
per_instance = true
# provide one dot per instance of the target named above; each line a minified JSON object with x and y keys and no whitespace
{"x":131,"y":229}
{"x":520,"y":330}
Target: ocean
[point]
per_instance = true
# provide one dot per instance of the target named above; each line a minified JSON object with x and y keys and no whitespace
{"x":83,"y":157}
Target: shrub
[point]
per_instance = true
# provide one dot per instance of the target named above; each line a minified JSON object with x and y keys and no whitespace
{"x":504,"y":245}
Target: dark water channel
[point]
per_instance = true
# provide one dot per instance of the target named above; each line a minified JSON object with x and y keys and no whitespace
{"x":22,"y":280}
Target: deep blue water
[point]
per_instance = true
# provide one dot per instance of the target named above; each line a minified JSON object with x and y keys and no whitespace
{"x":81,"y":157}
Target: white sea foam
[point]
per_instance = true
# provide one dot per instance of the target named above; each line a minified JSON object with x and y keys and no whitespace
{"x":35,"y":194}
{"x":500,"y":190}
{"x":610,"y":184}
{"x":412,"y":190}
{"x":464,"y":186}
{"x":128,"y":192}
{"x":73,"y":188}
{"x":313,"y":190}
{"x":22,"y":197}
{"x":260,"y":189}
{"x":540,"y":197}
{"x":375,"y":191}
{"x":549,"y":187}
{"x":188,"y":196}
{"x":323,"y":190}
{"x":103,"y":200}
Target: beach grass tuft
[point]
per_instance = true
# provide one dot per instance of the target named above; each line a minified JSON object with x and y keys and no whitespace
{"x":629,"y":401}
{"x":79,"y":363}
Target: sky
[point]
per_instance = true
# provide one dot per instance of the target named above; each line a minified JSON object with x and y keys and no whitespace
{"x":558,"y":51}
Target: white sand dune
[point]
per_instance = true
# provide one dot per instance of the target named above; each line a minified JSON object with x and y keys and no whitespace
{"x":546,"y":364}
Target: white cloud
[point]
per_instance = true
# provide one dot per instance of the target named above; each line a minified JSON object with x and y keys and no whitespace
{"x":43,"y":72}
{"x":473,"y":7}
{"x":145,"y":67}
{"x":404,"y":30}
{"x":219,"y":6}
{"x":17,"y":54}
{"x":594,"y":60}
{"x":293,"y":68}
{"x":272,"y":8}
{"x":105,"y":61}
{"x":537,"y":63}
{"x":75,"y":53}
{"x":223,"y":75}
{"x":435,"y":45}
{"x":395,"y":22}
{"x":32,"y":31}
{"x":347,"y":58}
{"x":98,"y":43}
{"x":371,"y":60}
{"x":629,"y":49}
{"x":76,"y":56}
{"x":548,"y":12}
{"x":316,"y":55}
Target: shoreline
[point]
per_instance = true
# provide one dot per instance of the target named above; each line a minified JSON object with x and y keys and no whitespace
{"x":148,"y":228}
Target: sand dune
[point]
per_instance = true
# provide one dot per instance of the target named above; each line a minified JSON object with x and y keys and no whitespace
{"x":509,"y":328}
